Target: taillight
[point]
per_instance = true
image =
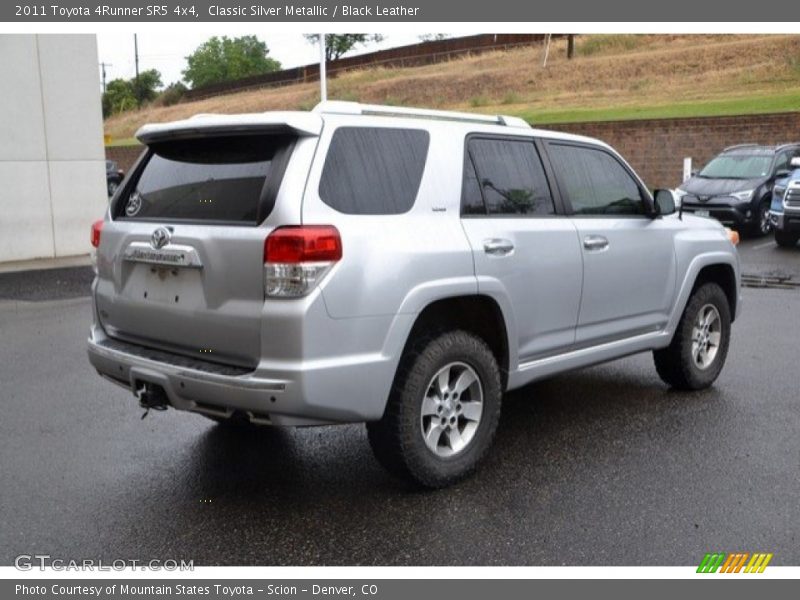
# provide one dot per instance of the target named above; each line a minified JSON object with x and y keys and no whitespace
{"x":97,"y":228}
{"x":296,"y":258}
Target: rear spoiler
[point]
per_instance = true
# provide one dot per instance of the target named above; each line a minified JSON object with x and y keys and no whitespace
{"x":298,"y":123}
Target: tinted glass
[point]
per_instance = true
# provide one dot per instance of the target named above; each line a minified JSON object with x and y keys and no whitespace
{"x":511,"y":177}
{"x":737,"y":166}
{"x":782,"y":162}
{"x":595,"y":182}
{"x":214,"y":179}
{"x":471,"y":199}
{"x":373,"y":170}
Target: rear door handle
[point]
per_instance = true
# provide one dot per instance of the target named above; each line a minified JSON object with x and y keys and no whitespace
{"x":498,"y":247}
{"x":595,"y":242}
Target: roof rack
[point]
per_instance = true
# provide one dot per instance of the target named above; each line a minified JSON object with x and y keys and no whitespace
{"x":737,"y":146}
{"x":355,"y":108}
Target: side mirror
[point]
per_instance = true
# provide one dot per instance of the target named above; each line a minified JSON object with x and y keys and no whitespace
{"x":795,"y":162}
{"x":664,"y":202}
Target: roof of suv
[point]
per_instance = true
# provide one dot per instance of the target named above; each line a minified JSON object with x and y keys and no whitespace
{"x":752,"y":149}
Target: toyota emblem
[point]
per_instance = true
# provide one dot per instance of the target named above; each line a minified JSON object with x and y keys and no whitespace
{"x":160,"y":238}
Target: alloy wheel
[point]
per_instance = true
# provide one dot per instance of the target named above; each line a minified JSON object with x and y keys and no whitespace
{"x":452,"y":409}
{"x":706,"y":336}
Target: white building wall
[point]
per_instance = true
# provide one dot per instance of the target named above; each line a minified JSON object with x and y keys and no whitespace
{"x":52,"y":161}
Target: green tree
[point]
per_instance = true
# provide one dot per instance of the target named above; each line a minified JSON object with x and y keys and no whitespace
{"x":338,"y":44}
{"x":127,"y":94}
{"x":172,"y":94}
{"x":145,"y":87}
{"x":118,"y":97}
{"x":225,"y":59}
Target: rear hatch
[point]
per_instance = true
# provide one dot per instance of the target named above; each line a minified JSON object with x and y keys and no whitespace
{"x":180,"y":264}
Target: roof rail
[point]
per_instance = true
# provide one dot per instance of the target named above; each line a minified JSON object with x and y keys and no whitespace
{"x":787,"y":145}
{"x":355,"y":108}
{"x":741,"y":146}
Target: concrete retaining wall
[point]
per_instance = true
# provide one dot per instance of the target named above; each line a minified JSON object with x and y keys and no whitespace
{"x":51,"y":145}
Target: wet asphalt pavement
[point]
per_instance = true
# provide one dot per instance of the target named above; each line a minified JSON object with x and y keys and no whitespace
{"x":604,"y":466}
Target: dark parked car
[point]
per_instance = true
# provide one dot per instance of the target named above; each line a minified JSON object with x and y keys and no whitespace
{"x":114,"y":176}
{"x":736,"y":186}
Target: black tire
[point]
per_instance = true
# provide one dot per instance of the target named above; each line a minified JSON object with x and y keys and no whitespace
{"x":785,"y":239}
{"x":675,"y":363}
{"x":761,"y":226}
{"x":397,"y":439}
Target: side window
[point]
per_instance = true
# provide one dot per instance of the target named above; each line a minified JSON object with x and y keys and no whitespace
{"x":782,"y":162}
{"x":508,"y":176}
{"x":373,"y":170}
{"x":595,"y":182}
{"x":795,"y":153}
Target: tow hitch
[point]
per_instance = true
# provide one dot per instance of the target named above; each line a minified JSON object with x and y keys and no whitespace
{"x":151,"y":396}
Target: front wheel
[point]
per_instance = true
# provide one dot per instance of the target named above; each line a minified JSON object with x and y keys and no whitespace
{"x":785,"y":239}
{"x":762,"y":225}
{"x":697,"y":353}
{"x":442,"y":412}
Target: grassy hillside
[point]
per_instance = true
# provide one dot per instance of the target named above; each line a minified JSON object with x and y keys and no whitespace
{"x":612,"y":77}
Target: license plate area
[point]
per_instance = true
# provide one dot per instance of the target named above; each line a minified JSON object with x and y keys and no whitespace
{"x":702,"y":213}
{"x":165,"y":285}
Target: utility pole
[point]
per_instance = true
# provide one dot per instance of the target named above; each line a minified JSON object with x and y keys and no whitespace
{"x":103,"y":66}
{"x":547,"y":37}
{"x":323,"y":83}
{"x":136,"y":62}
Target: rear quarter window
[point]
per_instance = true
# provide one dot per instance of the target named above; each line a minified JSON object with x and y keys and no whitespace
{"x":373,"y":170}
{"x":213,"y":179}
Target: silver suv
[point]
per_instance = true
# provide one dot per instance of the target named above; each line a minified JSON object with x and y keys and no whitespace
{"x":399,"y":267}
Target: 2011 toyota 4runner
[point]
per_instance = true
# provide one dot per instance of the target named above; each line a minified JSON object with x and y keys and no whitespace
{"x":398,"y":267}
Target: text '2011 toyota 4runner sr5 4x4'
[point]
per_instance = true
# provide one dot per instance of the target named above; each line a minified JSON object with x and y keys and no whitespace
{"x":399,"y":267}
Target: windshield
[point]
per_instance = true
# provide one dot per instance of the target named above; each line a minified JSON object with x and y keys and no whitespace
{"x":737,"y":166}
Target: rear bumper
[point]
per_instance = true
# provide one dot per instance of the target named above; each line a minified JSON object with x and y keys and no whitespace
{"x":349,"y":389}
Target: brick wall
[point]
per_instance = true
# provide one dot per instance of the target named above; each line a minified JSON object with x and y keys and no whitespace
{"x":654,"y":147}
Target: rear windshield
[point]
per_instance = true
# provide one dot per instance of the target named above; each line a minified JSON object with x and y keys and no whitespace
{"x":737,"y":166}
{"x":225,"y":179}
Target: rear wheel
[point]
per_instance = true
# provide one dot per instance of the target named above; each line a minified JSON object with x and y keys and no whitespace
{"x":697,"y":353}
{"x":442,"y":412}
{"x":785,"y":239}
